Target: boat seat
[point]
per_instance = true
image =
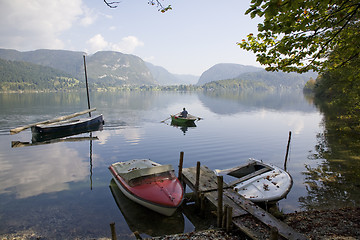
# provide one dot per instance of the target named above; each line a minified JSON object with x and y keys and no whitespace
{"x":251,"y":175}
{"x":142,"y":172}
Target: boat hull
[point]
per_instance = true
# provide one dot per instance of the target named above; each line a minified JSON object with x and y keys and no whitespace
{"x":44,"y":132}
{"x":160,"y":194}
{"x":262,"y":183}
{"x":189,"y":120}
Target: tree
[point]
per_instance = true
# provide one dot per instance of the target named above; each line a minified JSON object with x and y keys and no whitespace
{"x":298,"y":35}
{"x":159,"y":5}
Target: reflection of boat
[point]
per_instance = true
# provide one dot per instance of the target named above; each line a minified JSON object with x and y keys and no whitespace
{"x":183,"y":126}
{"x":143,"y":220}
{"x":257,"y":181}
{"x":150,"y":184}
{"x":44,"y":132}
{"x":190,"y":119}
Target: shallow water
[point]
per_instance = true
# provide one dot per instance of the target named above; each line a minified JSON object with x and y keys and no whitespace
{"x":63,"y":190}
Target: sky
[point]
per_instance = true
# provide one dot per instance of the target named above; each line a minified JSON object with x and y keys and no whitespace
{"x":189,"y":39}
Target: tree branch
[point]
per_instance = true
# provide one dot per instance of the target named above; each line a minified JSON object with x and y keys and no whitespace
{"x":111,"y":4}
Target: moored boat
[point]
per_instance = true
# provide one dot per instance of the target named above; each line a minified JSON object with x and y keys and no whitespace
{"x":68,"y":125}
{"x":258,"y":181}
{"x":149,"y":184}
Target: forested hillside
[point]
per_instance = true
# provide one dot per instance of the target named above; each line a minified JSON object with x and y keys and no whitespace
{"x":20,"y":76}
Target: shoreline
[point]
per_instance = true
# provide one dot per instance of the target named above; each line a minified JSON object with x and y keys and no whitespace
{"x":338,"y":224}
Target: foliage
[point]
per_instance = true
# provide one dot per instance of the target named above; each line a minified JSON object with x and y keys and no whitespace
{"x":337,"y":92}
{"x":21,"y":76}
{"x":309,"y":85}
{"x":236,"y":84}
{"x":160,"y":6}
{"x":299,"y":35}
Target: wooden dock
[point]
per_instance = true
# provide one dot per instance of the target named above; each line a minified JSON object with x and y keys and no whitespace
{"x":235,"y":209}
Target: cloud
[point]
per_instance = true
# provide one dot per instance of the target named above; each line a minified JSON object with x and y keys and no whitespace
{"x":126,"y":45}
{"x":28,"y":25}
{"x":97,"y":43}
{"x":89,"y":17}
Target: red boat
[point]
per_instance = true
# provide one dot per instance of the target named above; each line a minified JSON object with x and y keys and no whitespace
{"x":150,"y":184}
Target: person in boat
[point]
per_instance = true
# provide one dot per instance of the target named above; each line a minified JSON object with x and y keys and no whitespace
{"x":184,"y":113}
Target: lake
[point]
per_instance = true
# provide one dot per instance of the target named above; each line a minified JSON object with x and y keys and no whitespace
{"x":63,"y":190}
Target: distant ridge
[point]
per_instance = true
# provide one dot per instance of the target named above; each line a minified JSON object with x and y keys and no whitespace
{"x":224,"y":71}
{"x":114,"y":69}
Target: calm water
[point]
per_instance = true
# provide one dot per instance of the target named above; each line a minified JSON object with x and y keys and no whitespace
{"x":64,"y":190}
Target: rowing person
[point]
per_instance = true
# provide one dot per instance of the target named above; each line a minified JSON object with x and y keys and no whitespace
{"x":183,"y":114}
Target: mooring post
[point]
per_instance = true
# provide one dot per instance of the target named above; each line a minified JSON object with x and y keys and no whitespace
{"x":113,"y":233}
{"x":197,"y":183}
{"x":220,"y":200}
{"x":202,"y":204}
{"x":287,"y":150}
{"x":223,"y":224}
{"x":137,"y":235}
{"x":228,"y":218}
{"x":181,"y":166}
{"x":274,"y":233}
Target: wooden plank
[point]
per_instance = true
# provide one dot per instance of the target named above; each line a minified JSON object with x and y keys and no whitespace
{"x":208,"y":179}
{"x":19,"y":129}
{"x":212,"y":197}
{"x":266,"y":218}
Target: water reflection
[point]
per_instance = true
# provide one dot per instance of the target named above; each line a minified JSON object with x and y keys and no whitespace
{"x":56,"y":166}
{"x":230,"y":102}
{"x":183,"y":126}
{"x":334,"y":181}
{"x":145,"y":221}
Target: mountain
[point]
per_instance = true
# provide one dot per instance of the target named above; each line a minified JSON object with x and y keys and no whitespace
{"x":116,"y":68}
{"x":239,"y":76}
{"x":278,"y":79}
{"x":67,"y":61}
{"x":107,"y":67}
{"x":187,"y":78}
{"x":224,"y":71}
{"x":162,"y":76}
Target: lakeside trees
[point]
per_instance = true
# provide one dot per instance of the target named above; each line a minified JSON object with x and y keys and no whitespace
{"x":300,"y":35}
{"x":314,"y":35}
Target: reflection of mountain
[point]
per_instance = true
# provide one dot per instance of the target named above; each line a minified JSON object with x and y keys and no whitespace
{"x":229,"y":102}
{"x":143,"y":220}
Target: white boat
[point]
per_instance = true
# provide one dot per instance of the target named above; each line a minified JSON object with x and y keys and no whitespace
{"x":257,"y":181}
{"x":149,"y":184}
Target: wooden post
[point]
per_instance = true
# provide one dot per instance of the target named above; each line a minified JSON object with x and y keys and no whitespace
{"x":228,"y":219}
{"x":202,"y":204}
{"x":223,"y":224}
{"x":287,"y":150}
{"x":197,"y":183}
{"x":274,"y":233}
{"x":220,"y":200}
{"x":113,"y":233}
{"x":87,"y":86}
{"x":181,"y":166}
{"x":137,"y":235}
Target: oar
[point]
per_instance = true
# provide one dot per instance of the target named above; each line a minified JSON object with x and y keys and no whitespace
{"x":166,"y":119}
{"x":169,"y":117}
{"x":19,"y":129}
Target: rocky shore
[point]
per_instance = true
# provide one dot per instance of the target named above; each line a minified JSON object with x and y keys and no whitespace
{"x":336,"y":224}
